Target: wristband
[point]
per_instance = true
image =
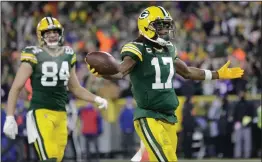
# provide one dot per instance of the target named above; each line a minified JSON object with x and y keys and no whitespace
{"x":208,"y":75}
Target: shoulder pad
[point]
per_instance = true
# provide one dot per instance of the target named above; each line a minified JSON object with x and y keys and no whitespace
{"x":132,"y":48}
{"x":132,"y":45}
{"x":29,"y":54}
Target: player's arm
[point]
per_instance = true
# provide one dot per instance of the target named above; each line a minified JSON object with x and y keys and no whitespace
{"x":125,"y":68}
{"x":200,"y":74}
{"x":24,"y":72}
{"x":82,"y":93}
{"x":130,"y":55}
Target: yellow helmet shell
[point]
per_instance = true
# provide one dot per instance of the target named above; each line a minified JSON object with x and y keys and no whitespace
{"x":148,"y":16}
{"x":48,"y":23}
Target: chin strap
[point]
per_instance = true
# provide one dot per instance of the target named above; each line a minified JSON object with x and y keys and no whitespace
{"x":159,"y":41}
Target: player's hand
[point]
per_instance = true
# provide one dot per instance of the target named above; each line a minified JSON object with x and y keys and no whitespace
{"x":10,"y":127}
{"x":92,"y":70}
{"x":230,"y":73}
{"x":101,"y":102}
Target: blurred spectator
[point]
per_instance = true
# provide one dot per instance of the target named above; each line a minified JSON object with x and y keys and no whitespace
{"x":259,"y":116}
{"x":202,"y":38}
{"x":214,"y":114}
{"x":8,"y":147}
{"x":73,"y":140}
{"x":21,"y":138}
{"x":256,"y":133}
{"x":28,"y":89}
{"x":127,"y":128}
{"x":188,"y":124}
{"x":225,"y":144}
{"x":243,"y":116}
{"x":91,"y":128}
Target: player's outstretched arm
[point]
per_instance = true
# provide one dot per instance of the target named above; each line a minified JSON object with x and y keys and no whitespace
{"x":124,"y":68}
{"x":199,"y":74}
{"x":82,"y":93}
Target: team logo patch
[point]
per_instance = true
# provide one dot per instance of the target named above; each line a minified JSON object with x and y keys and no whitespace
{"x":144,"y":14}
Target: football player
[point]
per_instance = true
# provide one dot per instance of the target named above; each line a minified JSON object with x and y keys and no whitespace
{"x":152,"y":61}
{"x":51,"y":68}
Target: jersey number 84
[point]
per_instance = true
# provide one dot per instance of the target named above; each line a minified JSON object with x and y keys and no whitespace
{"x":63,"y":73}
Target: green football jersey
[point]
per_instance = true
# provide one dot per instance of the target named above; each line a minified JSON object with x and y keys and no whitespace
{"x":152,"y":80}
{"x":50,"y":76}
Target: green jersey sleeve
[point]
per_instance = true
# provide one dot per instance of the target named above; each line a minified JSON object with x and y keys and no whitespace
{"x":73,"y":61}
{"x":70,"y":51}
{"x":28,"y":55}
{"x":131,"y":50}
{"x":173,"y":50}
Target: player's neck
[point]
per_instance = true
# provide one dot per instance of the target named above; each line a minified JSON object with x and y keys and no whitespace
{"x":57,"y":51}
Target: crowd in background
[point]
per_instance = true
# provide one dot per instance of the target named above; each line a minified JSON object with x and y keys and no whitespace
{"x":207,"y":35}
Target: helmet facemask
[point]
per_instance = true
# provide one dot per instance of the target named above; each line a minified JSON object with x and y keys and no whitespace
{"x":52,"y":39}
{"x":164,"y":29}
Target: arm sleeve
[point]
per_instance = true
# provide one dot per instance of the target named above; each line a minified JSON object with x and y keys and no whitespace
{"x":173,"y":50}
{"x":132,"y":51}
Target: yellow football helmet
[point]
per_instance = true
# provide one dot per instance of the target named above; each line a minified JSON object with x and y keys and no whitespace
{"x":152,"y":20}
{"x":46,"y":24}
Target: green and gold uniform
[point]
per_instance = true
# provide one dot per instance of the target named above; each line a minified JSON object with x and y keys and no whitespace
{"x":50,"y":77}
{"x":49,"y":81}
{"x":152,"y":86}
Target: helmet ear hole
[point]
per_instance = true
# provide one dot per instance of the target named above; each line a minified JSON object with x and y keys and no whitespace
{"x":146,"y":29}
{"x":43,"y":33}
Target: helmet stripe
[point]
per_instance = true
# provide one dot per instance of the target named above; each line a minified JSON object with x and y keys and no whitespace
{"x":50,"y":21}
{"x":47,"y":20}
{"x":163,"y":10}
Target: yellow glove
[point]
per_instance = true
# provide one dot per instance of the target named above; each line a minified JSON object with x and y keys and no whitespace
{"x":92,"y":70}
{"x":229,"y":73}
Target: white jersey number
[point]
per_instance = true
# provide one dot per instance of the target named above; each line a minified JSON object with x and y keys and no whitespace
{"x":158,"y":84}
{"x":50,"y":70}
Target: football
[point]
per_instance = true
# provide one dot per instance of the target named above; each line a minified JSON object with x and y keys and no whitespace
{"x":103,"y":62}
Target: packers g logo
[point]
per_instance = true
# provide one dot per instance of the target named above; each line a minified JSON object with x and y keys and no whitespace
{"x":144,"y":14}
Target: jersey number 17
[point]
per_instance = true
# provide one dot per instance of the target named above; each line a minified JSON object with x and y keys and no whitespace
{"x":158,"y":84}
